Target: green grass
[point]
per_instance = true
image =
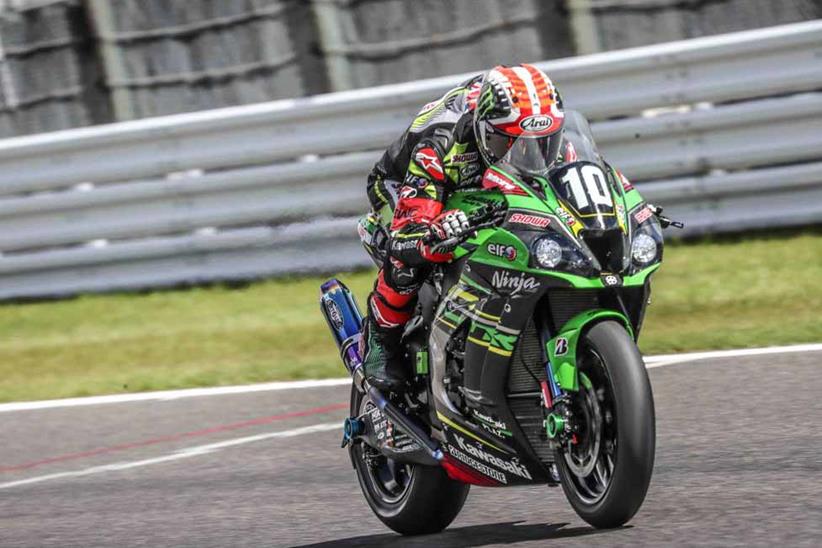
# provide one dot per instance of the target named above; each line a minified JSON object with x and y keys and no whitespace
{"x":708,"y":295}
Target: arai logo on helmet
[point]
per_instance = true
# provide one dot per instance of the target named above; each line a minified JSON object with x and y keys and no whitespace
{"x":537,"y":123}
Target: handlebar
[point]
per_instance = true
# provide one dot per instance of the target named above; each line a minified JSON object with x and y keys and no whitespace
{"x":487,"y":216}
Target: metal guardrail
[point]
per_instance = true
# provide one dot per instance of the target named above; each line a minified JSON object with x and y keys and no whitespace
{"x":724,"y":131}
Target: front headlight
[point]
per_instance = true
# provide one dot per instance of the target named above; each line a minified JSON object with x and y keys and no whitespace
{"x":556,"y":252}
{"x":548,"y":253}
{"x":643,"y":248}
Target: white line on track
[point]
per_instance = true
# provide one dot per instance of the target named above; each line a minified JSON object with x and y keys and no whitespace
{"x":651,"y":361}
{"x":171,"y":394}
{"x":177,"y":455}
{"x":671,"y":359}
{"x":197,"y":450}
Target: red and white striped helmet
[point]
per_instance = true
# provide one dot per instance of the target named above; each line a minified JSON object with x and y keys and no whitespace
{"x":518,"y":119}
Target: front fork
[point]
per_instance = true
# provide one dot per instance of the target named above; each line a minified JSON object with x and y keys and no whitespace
{"x":562,"y":371}
{"x":558,"y":422}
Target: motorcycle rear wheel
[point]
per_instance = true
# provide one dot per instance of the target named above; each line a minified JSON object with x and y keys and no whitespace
{"x":606,"y":474}
{"x":410,"y":499}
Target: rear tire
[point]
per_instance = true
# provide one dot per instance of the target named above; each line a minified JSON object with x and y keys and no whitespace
{"x":416,"y":500}
{"x":609,"y":358}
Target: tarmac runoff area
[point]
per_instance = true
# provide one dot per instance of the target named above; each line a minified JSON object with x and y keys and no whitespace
{"x":738,"y":462}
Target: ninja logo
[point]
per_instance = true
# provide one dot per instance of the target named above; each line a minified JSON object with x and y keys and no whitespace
{"x":503,"y":280}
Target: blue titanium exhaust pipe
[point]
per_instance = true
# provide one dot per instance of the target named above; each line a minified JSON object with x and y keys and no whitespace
{"x":345,"y":321}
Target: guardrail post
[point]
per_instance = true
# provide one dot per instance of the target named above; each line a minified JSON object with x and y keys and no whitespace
{"x":584,"y":27}
{"x":102,"y":20}
{"x":329,"y":24}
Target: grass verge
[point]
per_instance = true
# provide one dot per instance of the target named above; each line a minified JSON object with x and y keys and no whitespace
{"x":708,"y":295}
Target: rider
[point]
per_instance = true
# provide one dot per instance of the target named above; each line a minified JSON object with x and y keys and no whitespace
{"x":449,"y":145}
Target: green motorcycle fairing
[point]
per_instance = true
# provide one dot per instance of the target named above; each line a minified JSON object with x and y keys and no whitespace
{"x":562,"y":348}
{"x":500,"y":291}
{"x":504,"y":255}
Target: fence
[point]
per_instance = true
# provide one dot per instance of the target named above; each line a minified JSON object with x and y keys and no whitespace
{"x":725,"y":131}
{"x":74,"y":63}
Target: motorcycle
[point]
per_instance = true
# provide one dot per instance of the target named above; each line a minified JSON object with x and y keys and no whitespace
{"x":523,"y":347}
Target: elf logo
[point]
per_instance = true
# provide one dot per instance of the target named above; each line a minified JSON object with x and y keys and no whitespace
{"x":508,"y":252}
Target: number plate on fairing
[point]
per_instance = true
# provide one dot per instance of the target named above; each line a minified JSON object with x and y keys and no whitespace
{"x":584,"y":188}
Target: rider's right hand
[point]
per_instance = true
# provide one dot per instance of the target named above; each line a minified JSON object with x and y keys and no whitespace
{"x":443,"y":236}
{"x":449,"y":224}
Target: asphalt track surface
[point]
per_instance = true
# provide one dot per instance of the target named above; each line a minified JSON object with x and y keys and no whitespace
{"x":739,"y":463}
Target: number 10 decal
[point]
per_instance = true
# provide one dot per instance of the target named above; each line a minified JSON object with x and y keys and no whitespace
{"x":588,"y":186}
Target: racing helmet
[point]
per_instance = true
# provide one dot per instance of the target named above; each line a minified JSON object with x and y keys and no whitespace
{"x":518,"y":119}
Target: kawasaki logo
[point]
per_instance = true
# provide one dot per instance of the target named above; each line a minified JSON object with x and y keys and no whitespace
{"x":511,"y":466}
{"x":503,"y":280}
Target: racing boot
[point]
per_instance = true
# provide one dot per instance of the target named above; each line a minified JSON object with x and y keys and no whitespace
{"x":382,"y":361}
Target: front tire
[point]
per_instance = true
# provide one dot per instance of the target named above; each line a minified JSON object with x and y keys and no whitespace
{"x":411,"y":499}
{"x":606,"y":475}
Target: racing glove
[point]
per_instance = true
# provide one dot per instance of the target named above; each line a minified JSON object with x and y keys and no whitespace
{"x":444,"y":235}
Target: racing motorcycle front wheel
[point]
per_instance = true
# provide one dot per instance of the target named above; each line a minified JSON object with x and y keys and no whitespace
{"x":606,"y":470}
{"x":411,"y":499}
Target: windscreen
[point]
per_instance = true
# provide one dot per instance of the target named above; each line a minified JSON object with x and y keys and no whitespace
{"x":581,"y":179}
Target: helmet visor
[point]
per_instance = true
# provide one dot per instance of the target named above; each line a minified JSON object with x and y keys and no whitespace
{"x":533,"y":154}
